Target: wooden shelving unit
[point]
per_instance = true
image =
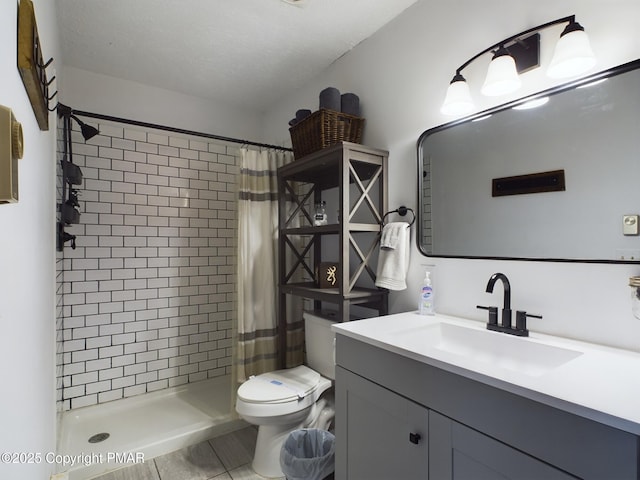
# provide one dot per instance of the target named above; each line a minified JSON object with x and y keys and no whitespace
{"x":354,"y":178}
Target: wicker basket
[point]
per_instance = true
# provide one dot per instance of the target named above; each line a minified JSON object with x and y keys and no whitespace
{"x":324,"y":128}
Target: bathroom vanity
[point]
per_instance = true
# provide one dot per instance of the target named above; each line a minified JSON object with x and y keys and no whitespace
{"x":443,"y":398}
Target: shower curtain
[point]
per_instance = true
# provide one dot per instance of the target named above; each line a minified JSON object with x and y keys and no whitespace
{"x":257,"y":326}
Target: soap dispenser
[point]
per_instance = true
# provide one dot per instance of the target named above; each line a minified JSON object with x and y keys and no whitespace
{"x":425,"y":306}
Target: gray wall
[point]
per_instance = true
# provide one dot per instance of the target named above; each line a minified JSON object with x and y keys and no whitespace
{"x":401,"y":74}
{"x":27,"y":260}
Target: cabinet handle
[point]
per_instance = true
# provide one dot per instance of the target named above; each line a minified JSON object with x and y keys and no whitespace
{"x":414,"y":438}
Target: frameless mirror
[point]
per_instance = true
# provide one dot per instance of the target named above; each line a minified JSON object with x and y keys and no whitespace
{"x":560,"y":181}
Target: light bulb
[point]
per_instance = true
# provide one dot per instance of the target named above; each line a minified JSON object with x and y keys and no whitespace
{"x":458,"y":99}
{"x":502,"y":76}
{"x":573,"y":54}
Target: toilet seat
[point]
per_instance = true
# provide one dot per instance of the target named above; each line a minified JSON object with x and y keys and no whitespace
{"x":281,"y":386}
{"x":264,"y":398}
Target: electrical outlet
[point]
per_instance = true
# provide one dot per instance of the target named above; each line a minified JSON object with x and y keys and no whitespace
{"x":630,"y":224}
{"x":11,"y":150}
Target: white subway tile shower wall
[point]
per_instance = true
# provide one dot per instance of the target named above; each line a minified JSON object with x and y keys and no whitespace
{"x":59,"y":288}
{"x":146,"y":298}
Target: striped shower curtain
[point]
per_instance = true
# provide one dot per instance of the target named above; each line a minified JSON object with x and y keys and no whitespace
{"x":257,"y":332}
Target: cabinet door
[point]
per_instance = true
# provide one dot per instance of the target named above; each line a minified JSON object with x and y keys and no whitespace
{"x":379,"y":434}
{"x":460,"y":453}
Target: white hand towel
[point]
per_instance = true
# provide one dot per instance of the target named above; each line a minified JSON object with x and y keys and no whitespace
{"x":390,"y":233}
{"x":393,"y":262}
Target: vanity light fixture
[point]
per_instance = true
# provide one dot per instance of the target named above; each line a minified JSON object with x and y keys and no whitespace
{"x":518,"y":54}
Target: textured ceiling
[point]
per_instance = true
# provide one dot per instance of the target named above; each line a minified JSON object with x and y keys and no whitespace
{"x":247,"y":53}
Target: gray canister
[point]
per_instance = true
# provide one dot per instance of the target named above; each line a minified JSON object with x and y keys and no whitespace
{"x":330,"y":99}
{"x":350,"y":104}
{"x":302,"y":114}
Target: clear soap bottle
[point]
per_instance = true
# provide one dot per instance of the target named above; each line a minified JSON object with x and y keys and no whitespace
{"x":425,"y":305}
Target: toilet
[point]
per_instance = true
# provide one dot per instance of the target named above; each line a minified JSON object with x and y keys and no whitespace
{"x":282,"y":401}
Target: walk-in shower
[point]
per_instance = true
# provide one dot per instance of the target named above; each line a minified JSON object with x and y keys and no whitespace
{"x":146,"y":310}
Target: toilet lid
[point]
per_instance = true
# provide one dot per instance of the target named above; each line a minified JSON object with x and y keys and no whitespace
{"x":280,"y":386}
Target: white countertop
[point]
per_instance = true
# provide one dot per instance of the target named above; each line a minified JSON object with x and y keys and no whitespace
{"x":600,"y":383}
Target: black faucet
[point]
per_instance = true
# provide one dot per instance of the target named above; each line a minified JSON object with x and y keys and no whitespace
{"x":506,"y":309}
{"x":520,"y":328}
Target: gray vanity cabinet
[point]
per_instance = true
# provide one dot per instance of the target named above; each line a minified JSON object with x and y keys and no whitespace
{"x":468,"y":429}
{"x":384,"y":434}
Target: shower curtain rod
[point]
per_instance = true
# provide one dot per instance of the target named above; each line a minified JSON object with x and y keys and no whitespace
{"x":137,"y":123}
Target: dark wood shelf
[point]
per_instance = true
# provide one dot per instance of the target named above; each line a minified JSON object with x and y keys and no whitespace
{"x":310,"y":290}
{"x":319,"y":167}
{"x":331,"y":229}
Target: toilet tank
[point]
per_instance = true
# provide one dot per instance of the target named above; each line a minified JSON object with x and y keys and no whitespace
{"x":319,"y":340}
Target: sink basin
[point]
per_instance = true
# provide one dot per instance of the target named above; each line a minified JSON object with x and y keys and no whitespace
{"x":499,"y":350}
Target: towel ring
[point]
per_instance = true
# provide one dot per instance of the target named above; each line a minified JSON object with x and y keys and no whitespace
{"x":402,"y":211}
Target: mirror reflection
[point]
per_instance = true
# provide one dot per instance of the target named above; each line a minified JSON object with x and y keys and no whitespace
{"x":489,"y":184}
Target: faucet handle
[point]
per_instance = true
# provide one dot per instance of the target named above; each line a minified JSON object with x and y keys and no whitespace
{"x":521,"y":320}
{"x":493,"y":314}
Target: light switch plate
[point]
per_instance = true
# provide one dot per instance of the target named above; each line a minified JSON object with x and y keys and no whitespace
{"x":630,"y":224}
{"x":10,"y":151}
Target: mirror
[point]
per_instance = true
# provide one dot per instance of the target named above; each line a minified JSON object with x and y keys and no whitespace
{"x":556,"y":182}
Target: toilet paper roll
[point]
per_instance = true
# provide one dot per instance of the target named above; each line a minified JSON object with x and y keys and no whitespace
{"x":330,"y":99}
{"x":350,"y":104}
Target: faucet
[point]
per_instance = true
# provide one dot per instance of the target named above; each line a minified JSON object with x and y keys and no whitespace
{"x":520,"y":328}
{"x":506,"y":309}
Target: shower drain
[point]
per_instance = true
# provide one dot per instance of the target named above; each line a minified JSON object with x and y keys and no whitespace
{"x":98,"y":437}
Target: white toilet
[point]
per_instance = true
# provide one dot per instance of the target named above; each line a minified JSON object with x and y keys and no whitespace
{"x":285,"y":400}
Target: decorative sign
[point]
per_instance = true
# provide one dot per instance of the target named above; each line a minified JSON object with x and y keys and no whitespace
{"x":531,"y":183}
{"x":327,"y":275}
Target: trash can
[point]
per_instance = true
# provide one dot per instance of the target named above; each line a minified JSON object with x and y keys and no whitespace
{"x":308,"y":454}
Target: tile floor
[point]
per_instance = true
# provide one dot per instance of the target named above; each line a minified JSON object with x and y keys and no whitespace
{"x":227,"y":457}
